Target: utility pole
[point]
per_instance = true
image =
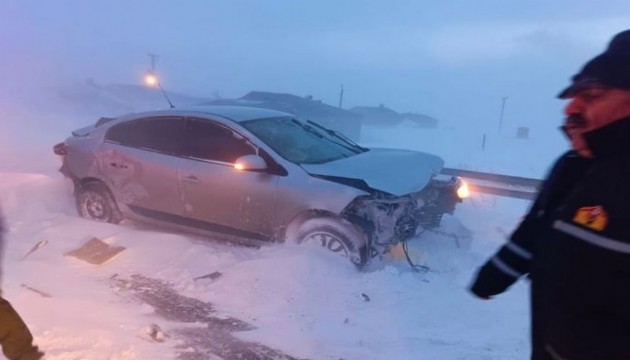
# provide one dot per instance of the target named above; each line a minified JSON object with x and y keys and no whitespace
{"x":153,"y":60}
{"x":341,"y":96}
{"x":152,"y":79}
{"x":503,"y":100}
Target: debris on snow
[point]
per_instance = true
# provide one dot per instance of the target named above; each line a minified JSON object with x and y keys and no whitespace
{"x":35,"y":247}
{"x":96,"y":251}
{"x":38,"y":292}
{"x":155,"y":333}
{"x":212,"y":276}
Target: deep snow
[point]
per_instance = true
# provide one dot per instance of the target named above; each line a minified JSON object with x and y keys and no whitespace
{"x":301,"y":300}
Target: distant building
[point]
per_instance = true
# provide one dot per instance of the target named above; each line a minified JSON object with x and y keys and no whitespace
{"x":384,"y":116}
{"x":421,"y":120}
{"x":346,"y":122}
{"x":378,"y":115}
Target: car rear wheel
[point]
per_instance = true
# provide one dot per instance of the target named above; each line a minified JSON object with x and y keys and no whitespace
{"x":334,"y":236}
{"x":94,"y":201}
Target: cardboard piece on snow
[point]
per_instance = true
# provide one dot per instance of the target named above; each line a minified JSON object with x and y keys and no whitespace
{"x":96,"y":251}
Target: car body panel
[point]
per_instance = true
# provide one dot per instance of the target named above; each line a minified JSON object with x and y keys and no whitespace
{"x":302,"y":193}
{"x":375,"y":190}
{"x":81,"y":162}
{"x":397,"y":172}
{"x":245,"y":200}
{"x":141,"y":178}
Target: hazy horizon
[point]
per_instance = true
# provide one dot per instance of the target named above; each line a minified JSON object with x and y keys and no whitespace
{"x":454,"y":62}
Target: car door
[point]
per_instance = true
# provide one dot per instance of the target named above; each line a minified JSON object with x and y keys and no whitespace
{"x":139,"y":161}
{"x":217,"y":195}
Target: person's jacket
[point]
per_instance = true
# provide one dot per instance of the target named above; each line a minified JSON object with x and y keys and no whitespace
{"x":1,"y":247}
{"x":575,"y":245}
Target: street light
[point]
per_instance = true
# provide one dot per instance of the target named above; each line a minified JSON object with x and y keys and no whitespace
{"x":151,"y":79}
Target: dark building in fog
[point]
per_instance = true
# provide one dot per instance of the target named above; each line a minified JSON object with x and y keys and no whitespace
{"x":346,"y":122}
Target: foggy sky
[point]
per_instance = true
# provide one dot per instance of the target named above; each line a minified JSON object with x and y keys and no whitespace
{"x":453,"y":60}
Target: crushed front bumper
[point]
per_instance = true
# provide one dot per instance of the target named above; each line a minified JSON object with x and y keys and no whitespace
{"x":389,"y":219}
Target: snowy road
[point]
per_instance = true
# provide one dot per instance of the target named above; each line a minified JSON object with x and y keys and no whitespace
{"x":277,"y":302}
{"x":210,"y":337}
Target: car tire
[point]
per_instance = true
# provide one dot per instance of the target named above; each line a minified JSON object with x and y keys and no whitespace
{"x":94,"y":201}
{"x":336,"y":237}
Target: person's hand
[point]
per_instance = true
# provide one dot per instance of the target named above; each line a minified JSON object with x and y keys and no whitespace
{"x":480,"y":292}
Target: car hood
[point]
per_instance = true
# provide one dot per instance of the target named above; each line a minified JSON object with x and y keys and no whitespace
{"x":395,"y":171}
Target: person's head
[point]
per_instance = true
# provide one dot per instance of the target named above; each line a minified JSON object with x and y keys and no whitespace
{"x":600,"y":93}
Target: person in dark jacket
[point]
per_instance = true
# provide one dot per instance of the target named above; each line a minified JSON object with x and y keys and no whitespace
{"x":15,"y":338}
{"x":574,"y":244}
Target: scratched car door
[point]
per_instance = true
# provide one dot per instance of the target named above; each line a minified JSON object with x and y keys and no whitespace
{"x":218,"y":196}
{"x":140,"y":165}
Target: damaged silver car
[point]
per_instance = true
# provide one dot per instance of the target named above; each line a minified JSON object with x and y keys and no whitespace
{"x":256,"y":175}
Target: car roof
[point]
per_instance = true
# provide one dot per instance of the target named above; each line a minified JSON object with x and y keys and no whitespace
{"x":234,"y":113}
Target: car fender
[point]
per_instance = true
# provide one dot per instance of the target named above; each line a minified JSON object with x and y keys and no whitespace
{"x":300,"y":195}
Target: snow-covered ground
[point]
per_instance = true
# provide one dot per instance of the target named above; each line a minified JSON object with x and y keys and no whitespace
{"x":298,"y":301}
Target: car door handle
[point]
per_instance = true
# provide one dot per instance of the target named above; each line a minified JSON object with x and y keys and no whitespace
{"x":118,"y":165}
{"x":191,"y":179}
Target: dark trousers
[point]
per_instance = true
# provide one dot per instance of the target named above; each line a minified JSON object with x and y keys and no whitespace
{"x":15,"y":338}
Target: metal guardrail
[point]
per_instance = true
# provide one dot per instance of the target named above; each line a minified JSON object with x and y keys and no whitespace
{"x":497,"y":184}
{"x":518,"y":194}
{"x":504,"y":179}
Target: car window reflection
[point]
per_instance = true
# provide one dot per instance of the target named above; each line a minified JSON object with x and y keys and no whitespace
{"x":298,"y":142}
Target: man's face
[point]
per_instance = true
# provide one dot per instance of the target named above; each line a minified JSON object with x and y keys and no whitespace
{"x":591,"y":109}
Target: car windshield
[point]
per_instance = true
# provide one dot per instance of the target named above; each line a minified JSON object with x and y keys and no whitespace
{"x":300,"y":142}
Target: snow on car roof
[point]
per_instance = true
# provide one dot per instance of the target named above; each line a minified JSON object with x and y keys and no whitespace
{"x":235,"y":113}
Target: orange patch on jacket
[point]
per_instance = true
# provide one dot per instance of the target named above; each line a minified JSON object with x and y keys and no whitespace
{"x":593,"y":217}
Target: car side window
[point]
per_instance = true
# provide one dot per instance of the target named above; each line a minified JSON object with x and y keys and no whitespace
{"x":121,"y":133}
{"x":157,"y":134}
{"x":206,"y":140}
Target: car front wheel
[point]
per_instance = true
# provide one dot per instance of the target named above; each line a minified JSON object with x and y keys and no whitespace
{"x":94,"y":201}
{"x":334,"y":236}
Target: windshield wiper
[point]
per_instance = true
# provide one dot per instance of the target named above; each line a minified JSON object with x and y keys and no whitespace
{"x":308,"y":129}
{"x":313,"y":131}
{"x":343,"y":144}
{"x":339,"y":136}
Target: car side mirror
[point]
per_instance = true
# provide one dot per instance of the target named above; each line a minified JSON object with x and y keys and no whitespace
{"x":250,"y":162}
